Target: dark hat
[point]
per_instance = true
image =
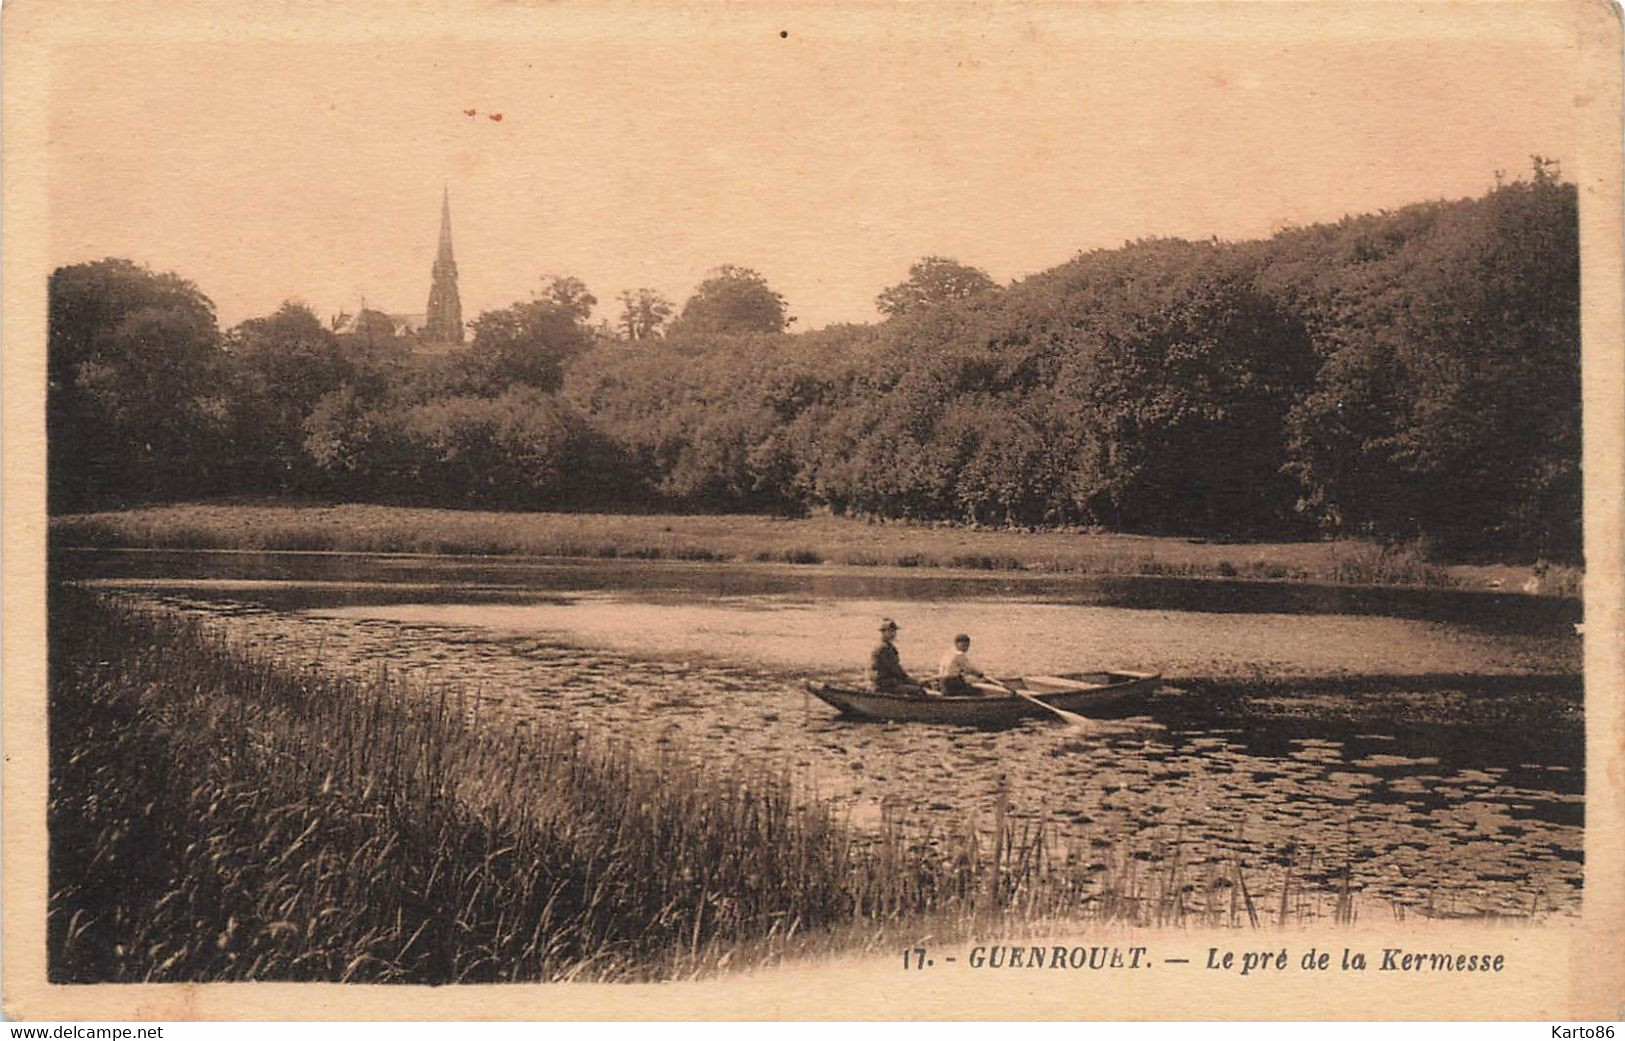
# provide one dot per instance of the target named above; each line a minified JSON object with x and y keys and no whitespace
{"x":887,"y":623}
{"x":962,"y":636}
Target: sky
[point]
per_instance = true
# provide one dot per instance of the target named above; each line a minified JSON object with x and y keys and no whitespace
{"x":301,"y":155}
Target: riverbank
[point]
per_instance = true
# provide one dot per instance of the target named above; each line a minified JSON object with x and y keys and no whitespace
{"x":752,"y":538}
{"x":273,"y":819}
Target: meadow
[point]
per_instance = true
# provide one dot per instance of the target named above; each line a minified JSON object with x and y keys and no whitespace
{"x":217,"y":813}
{"x":819,"y":539}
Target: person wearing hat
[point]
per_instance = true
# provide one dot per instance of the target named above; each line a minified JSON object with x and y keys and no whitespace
{"x":886,"y":673}
{"x":955,"y":673}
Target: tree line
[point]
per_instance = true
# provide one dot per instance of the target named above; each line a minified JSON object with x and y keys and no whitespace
{"x":1406,"y":374}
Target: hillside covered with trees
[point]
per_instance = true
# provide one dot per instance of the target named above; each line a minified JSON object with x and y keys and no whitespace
{"x":1407,"y":374}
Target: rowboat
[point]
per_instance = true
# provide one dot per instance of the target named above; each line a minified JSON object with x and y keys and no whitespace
{"x":1086,"y":693}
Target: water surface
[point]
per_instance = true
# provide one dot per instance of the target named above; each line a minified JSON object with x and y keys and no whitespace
{"x":1426,"y":757}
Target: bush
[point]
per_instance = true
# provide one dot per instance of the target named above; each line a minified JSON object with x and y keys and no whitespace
{"x":1397,"y":564}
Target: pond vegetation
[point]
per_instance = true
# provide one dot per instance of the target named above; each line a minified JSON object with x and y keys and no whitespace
{"x":218,"y":814}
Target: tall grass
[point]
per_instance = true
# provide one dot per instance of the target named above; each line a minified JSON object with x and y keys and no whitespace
{"x":1402,"y":563}
{"x":215,"y":814}
{"x":218,"y":816}
{"x":814,"y":540}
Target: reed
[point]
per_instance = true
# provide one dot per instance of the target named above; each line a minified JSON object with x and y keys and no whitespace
{"x":1404,"y":563}
{"x":361,"y":528}
{"x":217,"y":814}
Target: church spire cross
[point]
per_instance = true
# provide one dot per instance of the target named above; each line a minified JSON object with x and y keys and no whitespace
{"x":443,"y":322}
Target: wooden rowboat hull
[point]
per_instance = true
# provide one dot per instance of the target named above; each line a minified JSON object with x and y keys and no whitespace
{"x":1086,"y":693}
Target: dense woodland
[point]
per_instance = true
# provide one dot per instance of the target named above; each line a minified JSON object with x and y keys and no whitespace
{"x":1409,"y":375}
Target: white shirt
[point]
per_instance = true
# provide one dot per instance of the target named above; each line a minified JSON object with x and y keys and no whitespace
{"x":956,"y":663}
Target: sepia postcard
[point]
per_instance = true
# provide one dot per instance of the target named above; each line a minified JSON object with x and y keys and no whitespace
{"x":813,"y":511}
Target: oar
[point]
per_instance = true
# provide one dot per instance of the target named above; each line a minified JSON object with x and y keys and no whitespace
{"x":1070,"y":718}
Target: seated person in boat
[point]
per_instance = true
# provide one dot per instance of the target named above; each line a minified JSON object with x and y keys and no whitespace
{"x":956,"y":672}
{"x":886,"y":673}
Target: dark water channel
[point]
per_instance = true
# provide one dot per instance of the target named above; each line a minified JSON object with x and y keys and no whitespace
{"x":1422,"y":748}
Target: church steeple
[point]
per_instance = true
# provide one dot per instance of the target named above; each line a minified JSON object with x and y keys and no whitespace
{"x":443,"y":322}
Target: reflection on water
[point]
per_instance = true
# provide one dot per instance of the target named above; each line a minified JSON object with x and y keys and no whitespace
{"x":495,"y":577}
{"x":833,"y":637}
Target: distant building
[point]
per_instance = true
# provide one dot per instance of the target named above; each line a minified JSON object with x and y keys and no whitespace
{"x":434,"y":331}
{"x":402,"y":324}
{"x":443,"y":324}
